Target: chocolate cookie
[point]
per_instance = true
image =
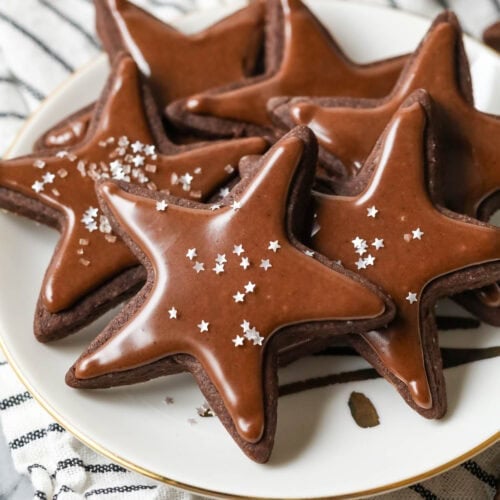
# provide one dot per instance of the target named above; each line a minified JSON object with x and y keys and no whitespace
{"x":470,"y":159}
{"x":301,"y":59}
{"x":393,"y":231}
{"x":228,"y":286}
{"x":176,"y":65}
{"x":491,"y":36}
{"x":92,"y":269}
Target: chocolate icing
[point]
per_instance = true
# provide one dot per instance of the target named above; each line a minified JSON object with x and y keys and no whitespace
{"x":177,"y":241}
{"x":225,"y":52}
{"x":470,"y":166}
{"x":176,"y":65}
{"x":69,"y":132}
{"x":470,"y":159}
{"x":88,"y":255}
{"x":311,"y":63}
{"x":420,"y":242}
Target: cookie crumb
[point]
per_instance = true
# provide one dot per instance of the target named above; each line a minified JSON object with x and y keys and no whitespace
{"x":205,"y":411}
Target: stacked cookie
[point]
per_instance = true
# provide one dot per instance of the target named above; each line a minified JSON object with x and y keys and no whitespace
{"x":194,"y":190}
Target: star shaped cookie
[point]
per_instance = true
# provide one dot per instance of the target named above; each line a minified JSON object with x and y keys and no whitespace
{"x":92,"y":269}
{"x":226,"y":289}
{"x":302,"y":59}
{"x":176,"y":65}
{"x":470,"y":167}
{"x":411,"y":247}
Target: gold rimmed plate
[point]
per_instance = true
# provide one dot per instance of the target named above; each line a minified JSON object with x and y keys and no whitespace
{"x":320,"y":451}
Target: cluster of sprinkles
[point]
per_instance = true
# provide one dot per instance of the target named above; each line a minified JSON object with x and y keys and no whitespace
{"x":249,"y":333}
{"x":361,"y":247}
{"x":127,"y":160}
{"x":90,"y":218}
{"x":48,"y":178}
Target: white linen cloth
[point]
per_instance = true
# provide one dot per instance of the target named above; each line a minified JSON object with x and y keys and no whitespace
{"x":41,"y":43}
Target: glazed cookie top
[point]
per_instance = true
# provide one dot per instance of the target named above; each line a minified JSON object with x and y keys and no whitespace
{"x":307,"y":61}
{"x":224,"y":52}
{"x":176,"y":65}
{"x":393,"y":234}
{"x":121,"y":146}
{"x":470,"y":167}
{"x":224,"y":280}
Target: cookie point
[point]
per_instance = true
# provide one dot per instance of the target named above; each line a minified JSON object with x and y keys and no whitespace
{"x":420,"y":393}
{"x":49,"y":299}
{"x":250,"y":429}
{"x":193,"y":103}
{"x":83,"y":368}
{"x":107,"y":188}
{"x":302,"y":113}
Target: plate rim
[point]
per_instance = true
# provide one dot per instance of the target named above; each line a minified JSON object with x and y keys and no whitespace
{"x":102,"y":450}
{"x":218,"y":494}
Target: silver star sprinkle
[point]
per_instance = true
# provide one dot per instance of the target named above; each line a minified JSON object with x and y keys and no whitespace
{"x":48,"y":178}
{"x":258,"y":339}
{"x":37,"y":186}
{"x":417,"y":234}
{"x":239,"y":297}
{"x":92,"y":212}
{"x":92,"y":227}
{"x":358,"y":242}
{"x":172,"y":313}
{"x":198,"y":267}
{"x":378,"y":243}
{"x":265,"y":264}
{"x":362,"y":248}
{"x":191,"y":253}
{"x":369,"y":260}
{"x":372,"y":211}
{"x":218,"y":269}
{"x":238,"y":249}
{"x":221,"y":258}
{"x":249,"y":287}
{"x":361,"y":264}
{"x":238,"y":341}
{"x":161,"y":206}
{"x":203,"y":326}
{"x":244,"y":263}
{"x":235,"y":205}
{"x":274,"y":246}
{"x":411,"y":297}
{"x":137,"y":146}
{"x":138,"y":160}
{"x":251,"y":333}
{"x":186,"y":180}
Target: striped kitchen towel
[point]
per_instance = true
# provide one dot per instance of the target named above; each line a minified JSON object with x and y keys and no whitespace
{"x":41,"y":43}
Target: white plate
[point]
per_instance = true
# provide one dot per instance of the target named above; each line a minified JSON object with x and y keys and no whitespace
{"x":319,"y":450}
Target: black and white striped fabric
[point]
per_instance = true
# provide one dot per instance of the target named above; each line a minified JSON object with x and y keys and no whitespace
{"x":41,"y":43}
